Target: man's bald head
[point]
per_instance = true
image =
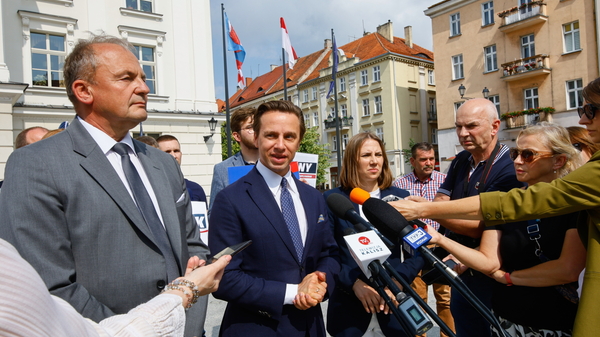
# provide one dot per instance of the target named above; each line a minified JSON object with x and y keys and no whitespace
{"x":30,"y":136}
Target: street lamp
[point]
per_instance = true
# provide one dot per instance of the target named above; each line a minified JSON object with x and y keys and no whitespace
{"x":212,"y":124}
{"x":462,"y":89}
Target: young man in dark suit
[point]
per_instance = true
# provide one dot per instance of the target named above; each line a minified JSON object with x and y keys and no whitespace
{"x":275,"y":285}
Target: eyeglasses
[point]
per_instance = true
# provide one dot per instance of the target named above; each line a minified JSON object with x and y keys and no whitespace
{"x":249,"y":129}
{"x":528,"y":155}
{"x":589,"y":110}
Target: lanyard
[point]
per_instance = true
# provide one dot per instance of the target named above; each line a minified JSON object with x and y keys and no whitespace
{"x":486,"y":171}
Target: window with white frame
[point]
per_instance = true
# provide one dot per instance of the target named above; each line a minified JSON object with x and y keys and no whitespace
{"x":457,"y":67}
{"x":305,"y":95}
{"x":376,"y":74}
{"x":455,"y":24}
{"x":378,"y":105}
{"x":531,"y":98}
{"x":344,"y":141}
{"x":307,"y":120}
{"x":364,"y":77}
{"x":432,"y":105}
{"x":141,"y":5}
{"x":487,"y":13}
{"x":434,"y":136}
{"x":146,"y":57}
{"x":490,"y":59}
{"x":571,"y":36}
{"x":47,"y":59}
{"x":342,"y":84}
{"x":574,"y":93}
{"x":496,"y":100}
{"x":379,"y":133}
{"x":314,"y":93}
{"x":527,"y":46}
{"x":344,"y":109}
{"x":525,"y":9}
{"x":457,"y":105}
{"x":315,"y":118}
{"x":333,"y":143}
{"x":430,"y":77}
{"x":365,"y":105}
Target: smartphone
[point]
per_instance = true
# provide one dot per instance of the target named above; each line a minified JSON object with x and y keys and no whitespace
{"x":232,"y":250}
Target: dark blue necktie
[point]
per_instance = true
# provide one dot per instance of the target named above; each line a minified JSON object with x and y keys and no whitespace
{"x":291,"y":220}
{"x":146,"y":208}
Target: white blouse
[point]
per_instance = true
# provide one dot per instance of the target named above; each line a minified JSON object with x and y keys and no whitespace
{"x":28,"y":309}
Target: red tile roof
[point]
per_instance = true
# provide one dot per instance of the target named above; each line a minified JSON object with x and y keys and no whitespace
{"x":364,"y":48}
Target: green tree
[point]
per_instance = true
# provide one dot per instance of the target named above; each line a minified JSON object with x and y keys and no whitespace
{"x":235,"y":146}
{"x":311,"y":144}
{"x":407,"y":152}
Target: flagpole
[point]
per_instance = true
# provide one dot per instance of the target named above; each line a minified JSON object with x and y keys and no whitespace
{"x":338,"y":120}
{"x":227,"y":124}
{"x":284,"y":75}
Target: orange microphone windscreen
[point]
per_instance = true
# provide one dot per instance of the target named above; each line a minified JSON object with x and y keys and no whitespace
{"x":359,"y":196}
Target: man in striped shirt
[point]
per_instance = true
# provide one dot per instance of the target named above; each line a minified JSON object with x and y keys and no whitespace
{"x":424,"y":182}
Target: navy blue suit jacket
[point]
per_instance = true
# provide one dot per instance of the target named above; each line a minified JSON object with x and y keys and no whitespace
{"x":255,"y":281}
{"x":346,"y":315}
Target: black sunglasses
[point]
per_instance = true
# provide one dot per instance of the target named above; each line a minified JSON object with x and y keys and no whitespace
{"x":589,"y":110}
{"x":528,"y":155}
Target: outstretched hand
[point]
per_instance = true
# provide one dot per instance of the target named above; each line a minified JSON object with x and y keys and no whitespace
{"x":206,"y":277}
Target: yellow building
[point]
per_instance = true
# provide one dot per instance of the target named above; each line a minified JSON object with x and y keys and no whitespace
{"x":527,"y":54}
{"x":385,"y":84}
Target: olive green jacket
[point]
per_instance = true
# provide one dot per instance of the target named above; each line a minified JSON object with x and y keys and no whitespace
{"x":580,"y":190}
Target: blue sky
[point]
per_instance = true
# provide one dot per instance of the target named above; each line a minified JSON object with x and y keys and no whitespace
{"x":309,"y":23}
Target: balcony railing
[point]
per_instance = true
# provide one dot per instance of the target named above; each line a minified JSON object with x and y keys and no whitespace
{"x":519,"y":17}
{"x":432,"y":115}
{"x":527,"y":117}
{"x":330,"y":122}
{"x":526,"y":67}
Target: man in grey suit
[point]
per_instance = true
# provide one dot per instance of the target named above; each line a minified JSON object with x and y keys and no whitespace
{"x":68,"y":201}
{"x":242,"y":132}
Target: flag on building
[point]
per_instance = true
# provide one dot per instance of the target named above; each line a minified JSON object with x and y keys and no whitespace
{"x":335,"y":58}
{"x":287,"y":45}
{"x":234,"y":44}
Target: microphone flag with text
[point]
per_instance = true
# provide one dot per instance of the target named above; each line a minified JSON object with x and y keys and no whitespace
{"x":391,"y":222}
{"x":370,"y":253}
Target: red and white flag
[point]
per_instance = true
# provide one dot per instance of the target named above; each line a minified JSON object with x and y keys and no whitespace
{"x":287,"y":45}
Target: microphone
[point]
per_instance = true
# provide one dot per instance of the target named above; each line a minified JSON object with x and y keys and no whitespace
{"x":343,"y":209}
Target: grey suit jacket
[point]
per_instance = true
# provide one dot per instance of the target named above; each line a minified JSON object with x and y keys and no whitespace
{"x":68,"y":214}
{"x":221,"y":177}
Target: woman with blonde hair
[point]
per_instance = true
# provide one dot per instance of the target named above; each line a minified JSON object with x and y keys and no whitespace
{"x":536,"y":263}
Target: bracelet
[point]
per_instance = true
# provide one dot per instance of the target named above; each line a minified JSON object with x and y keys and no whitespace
{"x":508,"y":280}
{"x":193,"y":287}
{"x":184,"y":291}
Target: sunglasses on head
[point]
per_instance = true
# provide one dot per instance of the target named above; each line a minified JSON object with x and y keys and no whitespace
{"x":589,"y":110}
{"x":528,"y":155}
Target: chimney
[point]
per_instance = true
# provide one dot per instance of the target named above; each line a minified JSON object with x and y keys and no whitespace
{"x":408,"y":36}
{"x":273,"y":66}
{"x":248,"y":81}
{"x":387,"y":31}
{"x":328,"y":44}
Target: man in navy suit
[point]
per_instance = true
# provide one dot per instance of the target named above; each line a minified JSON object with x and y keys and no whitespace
{"x":274,"y":286}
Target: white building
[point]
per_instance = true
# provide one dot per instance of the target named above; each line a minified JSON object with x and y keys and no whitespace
{"x":173,"y":39}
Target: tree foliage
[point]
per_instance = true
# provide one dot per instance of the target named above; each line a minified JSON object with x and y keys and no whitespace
{"x":311,"y":144}
{"x":407,"y":152}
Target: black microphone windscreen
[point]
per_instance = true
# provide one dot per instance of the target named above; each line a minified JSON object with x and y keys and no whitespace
{"x":349,"y":231}
{"x":339,"y":205}
{"x":386,"y":219}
